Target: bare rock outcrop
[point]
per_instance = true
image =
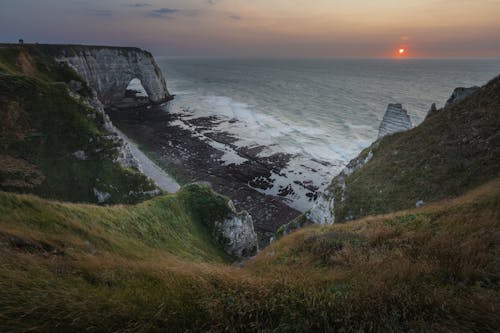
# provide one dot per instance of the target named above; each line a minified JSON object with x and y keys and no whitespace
{"x":236,"y":234}
{"x":109,"y":71}
{"x":396,"y":119}
{"x":460,"y":93}
{"x":322,"y":211}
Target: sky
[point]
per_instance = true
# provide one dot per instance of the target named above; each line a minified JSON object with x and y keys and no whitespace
{"x":263,"y":28}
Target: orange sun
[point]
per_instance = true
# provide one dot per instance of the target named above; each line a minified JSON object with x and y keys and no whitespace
{"x":401,"y":51}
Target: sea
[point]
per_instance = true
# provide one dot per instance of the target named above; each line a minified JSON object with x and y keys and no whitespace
{"x":322,"y":112}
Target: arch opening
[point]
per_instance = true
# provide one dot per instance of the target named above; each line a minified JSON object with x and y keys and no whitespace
{"x":135,"y":89}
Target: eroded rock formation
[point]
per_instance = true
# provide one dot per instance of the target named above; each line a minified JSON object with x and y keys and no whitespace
{"x":236,"y":234}
{"x":109,"y":70}
{"x":396,"y":119}
{"x":460,"y":93}
{"x":323,"y":210}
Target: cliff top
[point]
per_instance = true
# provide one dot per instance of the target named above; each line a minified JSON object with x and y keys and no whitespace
{"x":51,"y":143}
{"x":452,"y":151}
{"x":56,"y":49}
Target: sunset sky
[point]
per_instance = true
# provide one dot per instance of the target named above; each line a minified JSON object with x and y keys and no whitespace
{"x":263,"y":28}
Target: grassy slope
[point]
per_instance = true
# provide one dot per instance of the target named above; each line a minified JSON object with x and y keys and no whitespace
{"x":448,"y":154}
{"x":42,"y":126}
{"x":68,"y":267}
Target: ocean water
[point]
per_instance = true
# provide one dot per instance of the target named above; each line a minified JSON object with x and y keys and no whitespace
{"x":323,"y":112}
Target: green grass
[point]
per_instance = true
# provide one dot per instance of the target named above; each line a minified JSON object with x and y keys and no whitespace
{"x":42,"y":126}
{"x":174,"y":224}
{"x":150,"y":268}
{"x":153,"y":267}
{"x":448,"y":154}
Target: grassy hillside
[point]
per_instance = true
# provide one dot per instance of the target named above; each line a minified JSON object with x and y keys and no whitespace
{"x":451,"y":152}
{"x":148,"y":268}
{"x":43,"y":126}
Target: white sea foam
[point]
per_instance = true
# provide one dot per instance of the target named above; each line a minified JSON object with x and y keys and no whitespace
{"x":314,"y":161}
{"x":321,"y":112}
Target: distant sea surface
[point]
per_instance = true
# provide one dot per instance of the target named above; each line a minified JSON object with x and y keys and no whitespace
{"x":323,"y":112}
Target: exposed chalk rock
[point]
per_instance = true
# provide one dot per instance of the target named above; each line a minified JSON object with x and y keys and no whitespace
{"x":136,"y":89}
{"x":322,"y":210}
{"x":80,"y":155}
{"x":419,"y":203}
{"x":396,"y":119}
{"x":129,"y":155}
{"x":460,"y":93}
{"x":236,"y":234}
{"x":101,"y":196}
{"x":109,"y":70}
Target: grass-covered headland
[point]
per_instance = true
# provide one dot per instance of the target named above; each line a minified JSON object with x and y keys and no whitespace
{"x":454,"y":150}
{"x":152,"y":265}
{"x":42,"y":128}
{"x":151,"y":268}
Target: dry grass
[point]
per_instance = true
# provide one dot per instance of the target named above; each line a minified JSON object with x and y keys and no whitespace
{"x":450,"y":153}
{"x":428,"y":269}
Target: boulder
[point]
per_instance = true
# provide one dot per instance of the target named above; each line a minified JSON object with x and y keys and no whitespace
{"x":236,"y":234}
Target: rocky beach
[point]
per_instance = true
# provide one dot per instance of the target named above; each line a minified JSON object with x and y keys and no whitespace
{"x":188,"y":152}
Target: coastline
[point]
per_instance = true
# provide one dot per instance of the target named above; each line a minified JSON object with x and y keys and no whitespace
{"x":148,"y":167}
{"x":190,"y":155}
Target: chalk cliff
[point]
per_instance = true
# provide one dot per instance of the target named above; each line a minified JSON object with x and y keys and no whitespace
{"x":396,"y":119}
{"x":461,"y":93}
{"x":109,"y":70}
{"x":449,"y":153}
{"x":458,"y":95}
{"x":237,"y":234}
{"x":323,"y":211}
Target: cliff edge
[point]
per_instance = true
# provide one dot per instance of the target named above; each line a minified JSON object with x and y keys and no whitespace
{"x":110,"y":70}
{"x":454,"y":150}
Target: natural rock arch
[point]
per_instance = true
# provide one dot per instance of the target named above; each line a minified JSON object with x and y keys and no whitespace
{"x":135,"y":89}
{"x":109,"y":70}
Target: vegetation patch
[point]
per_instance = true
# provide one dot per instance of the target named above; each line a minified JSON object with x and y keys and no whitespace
{"x":152,"y":267}
{"x":451,"y":152}
{"x":59,"y":145}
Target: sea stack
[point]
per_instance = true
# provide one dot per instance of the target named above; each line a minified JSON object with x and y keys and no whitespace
{"x":396,"y":119}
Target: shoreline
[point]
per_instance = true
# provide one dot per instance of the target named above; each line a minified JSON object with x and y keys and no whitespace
{"x":148,"y":167}
{"x":190,"y":154}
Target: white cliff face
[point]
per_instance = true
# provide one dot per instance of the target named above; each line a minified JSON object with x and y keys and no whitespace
{"x":129,"y":155}
{"x":322,"y":211}
{"x":109,"y":70}
{"x":137,"y":89}
{"x":396,"y":119}
{"x":459,"y":94}
{"x":237,"y":234}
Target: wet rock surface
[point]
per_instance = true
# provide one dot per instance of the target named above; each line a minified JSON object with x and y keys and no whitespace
{"x":188,"y":153}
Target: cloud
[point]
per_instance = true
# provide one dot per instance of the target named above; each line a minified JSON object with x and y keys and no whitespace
{"x":212,"y":2}
{"x":235,"y":17}
{"x":163,"y":12}
{"x":99,"y":12}
{"x":170,"y":12}
{"x":139,"y":5}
